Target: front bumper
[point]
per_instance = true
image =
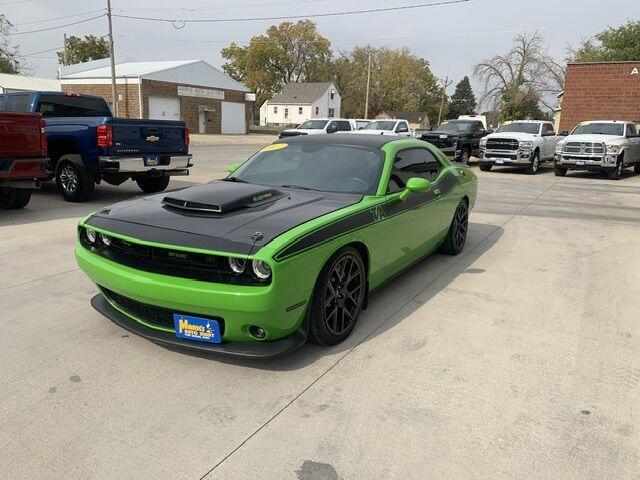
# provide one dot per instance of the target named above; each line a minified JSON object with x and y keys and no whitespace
{"x":278,"y":308}
{"x":507,"y":158}
{"x":176,"y":164}
{"x":451,"y":152}
{"x":586,"y":163}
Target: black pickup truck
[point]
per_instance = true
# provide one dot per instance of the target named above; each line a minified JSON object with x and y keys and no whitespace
{"x":87,"y":144}
{"x":458,"y":139}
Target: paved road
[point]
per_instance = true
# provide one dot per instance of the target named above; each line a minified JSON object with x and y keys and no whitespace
{"x":518,"y":359}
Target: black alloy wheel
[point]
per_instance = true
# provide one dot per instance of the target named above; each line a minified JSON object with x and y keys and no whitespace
{"x":338,"y":298}
{"x":457,"y":236}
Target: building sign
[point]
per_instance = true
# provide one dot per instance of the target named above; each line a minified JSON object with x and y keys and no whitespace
{"x":635,"y":71}
{"x":250,"y":97}
{"x":200,"y":92}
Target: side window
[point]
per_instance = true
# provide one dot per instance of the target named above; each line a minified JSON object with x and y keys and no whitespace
{"x":3,"y":99}
{"x":343,"y":126}
{"x":413,"y":162}
{"x":477,"y":126}
{"x":317,"y":110}
{"x":332,"y":112}
{"x":547,"y":129}
{"x":18,"y":103}
{"x":286,"y":113}
{"x":275,"y":110}
{"x":631,"y":129}
{"x":299,"y":110}
{"x":402,"y":128}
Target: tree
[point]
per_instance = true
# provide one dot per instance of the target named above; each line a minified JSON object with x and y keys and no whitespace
{"x":611,"y":45}
{"x":399,"y":81}
{"x":463,"y":101}
{"x":289,"y":52}
{"x":526,"y":74}
{"x":8,"y":54}
{"x":84,"y":50}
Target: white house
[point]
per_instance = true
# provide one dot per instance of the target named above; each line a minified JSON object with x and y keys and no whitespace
{"x":299,"y":102}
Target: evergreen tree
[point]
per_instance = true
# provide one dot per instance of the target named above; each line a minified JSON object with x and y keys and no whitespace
{"x":463,"y":101}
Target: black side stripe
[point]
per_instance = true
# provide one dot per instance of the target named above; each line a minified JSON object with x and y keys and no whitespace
{"x":367,"y":217}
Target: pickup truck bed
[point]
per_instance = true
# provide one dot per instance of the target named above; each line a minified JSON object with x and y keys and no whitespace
{"x":23,"y":157}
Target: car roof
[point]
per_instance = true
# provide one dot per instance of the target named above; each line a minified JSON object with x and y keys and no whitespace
{"x":351,"y":139}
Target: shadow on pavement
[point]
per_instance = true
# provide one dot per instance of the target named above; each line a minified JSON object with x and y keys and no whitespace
{"x":388,"y":306}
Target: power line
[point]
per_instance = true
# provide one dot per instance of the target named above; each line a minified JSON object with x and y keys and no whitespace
{"x":41,"y":51}
{"x":45,"y":20}
{"x":57,"y":26}
{"x":232,"y":7}
{"x":180,"y":23}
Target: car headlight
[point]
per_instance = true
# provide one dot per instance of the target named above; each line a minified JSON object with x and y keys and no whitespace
{"x":526,"y":144}
{"x":483,"y":143}
{"x":559,"y":147}
{"x":91,"y":235}
{"x":105,"y":239}
{"x":261,"y":269}
{"x":237,"y":264}
{"x":615,"y":149}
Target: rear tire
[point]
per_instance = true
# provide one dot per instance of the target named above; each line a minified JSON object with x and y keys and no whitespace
{"x":457,"y":235}
{"x":559,"y":171}
{"x":486,"y":168}
{"x":14,"y":198}
{"x":338,"y":298}
{"x":73,"y":181}
{"x":153,"y":184}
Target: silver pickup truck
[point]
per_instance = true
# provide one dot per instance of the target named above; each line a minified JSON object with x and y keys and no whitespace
{"x":609,"y":145}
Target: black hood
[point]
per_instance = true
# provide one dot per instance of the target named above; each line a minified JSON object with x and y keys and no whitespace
{"x":222,"y":215}
{"x":438,"y":134}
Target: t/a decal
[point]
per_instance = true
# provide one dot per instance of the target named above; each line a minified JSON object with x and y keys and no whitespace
{"x":378,"y":213}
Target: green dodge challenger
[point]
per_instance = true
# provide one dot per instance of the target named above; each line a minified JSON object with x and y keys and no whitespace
{"x":288,"y":246}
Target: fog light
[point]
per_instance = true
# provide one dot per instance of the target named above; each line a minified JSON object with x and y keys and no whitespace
{"x":237,"y":265}
{"x":258,"y":332}
{"x":91,"y":235}
{"x":105,"y":239}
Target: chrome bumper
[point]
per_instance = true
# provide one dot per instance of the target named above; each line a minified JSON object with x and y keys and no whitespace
{"x":136,"y":164}
{"x":577,"y":162}
{"x":508,"y":157}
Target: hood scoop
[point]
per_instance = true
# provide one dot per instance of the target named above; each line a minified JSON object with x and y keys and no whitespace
{"x":221,"y":197}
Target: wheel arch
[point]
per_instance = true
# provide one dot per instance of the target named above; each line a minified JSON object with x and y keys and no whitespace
{"x":58,"y":148}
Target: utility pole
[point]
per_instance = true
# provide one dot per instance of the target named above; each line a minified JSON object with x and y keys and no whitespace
{"x":65,"y":60}
{"x":366,"y":102}
{"x":113,"y":61}
{"x":444,"y":94}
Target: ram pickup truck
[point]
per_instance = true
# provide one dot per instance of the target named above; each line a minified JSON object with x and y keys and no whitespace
{"x":523,"y":143}
{"x":88,"y":145}
{"x":388,"y":127}
{"x":458,"y":139}
{"x":23,"y":157}
{"x":610,"y":146}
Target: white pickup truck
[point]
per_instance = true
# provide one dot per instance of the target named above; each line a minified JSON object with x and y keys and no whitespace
{"x":387,"y":127}
{"x":321,"y":126}
{"x":609,"y":145}
{"x":523,"y":143}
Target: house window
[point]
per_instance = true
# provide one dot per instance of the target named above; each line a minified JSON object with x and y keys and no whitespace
{"x":332,"y":112}
{"x":286,"y":113}
{"x":317,"y":110}
{"x":332,"y":94}
{"x":299,"y":110}
{"x":275,"y":110}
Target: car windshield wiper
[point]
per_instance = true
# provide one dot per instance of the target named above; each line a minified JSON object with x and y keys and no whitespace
{"x":298,"y":187}
{"x":234,"y":179}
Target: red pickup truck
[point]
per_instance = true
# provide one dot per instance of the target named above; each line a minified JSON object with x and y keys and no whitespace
{"x":23,"y":157}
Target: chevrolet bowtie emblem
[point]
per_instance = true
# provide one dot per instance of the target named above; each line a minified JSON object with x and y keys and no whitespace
{"x":152,"y":138}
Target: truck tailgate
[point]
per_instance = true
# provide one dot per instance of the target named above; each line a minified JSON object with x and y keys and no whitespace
{"x":133,"y":136}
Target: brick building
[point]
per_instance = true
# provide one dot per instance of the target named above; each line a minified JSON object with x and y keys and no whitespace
{"x":205,"y":98}
{"x":600,"y":91}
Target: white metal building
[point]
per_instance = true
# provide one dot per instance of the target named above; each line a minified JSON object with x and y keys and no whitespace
{"x":24,"y":83}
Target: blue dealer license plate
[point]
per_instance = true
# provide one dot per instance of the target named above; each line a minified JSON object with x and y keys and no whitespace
{"x":195,"y":328}
{"x":152,"y":161}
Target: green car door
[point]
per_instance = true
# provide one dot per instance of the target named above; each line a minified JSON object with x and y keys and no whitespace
{"x":413,"y":223}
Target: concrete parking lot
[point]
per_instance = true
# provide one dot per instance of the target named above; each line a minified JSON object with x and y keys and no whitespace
{"x":518,"y":359}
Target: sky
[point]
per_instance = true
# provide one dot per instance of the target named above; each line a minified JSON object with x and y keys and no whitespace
{"x":451,"y":37}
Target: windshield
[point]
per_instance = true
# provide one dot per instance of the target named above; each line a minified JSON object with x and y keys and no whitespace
{"x":589,"y":128}
{"x":331,"y":168}
{"x":519,"y":127}
{"x":454,"y":127}
{"x":381,"y":125}
{"x":313,"y":125}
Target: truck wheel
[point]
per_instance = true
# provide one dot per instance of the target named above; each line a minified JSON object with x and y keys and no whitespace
{"x":616,"y":173}
{"x":535,"y":163}
{"x":559,"y":171}
{"x":153,"y":184}
{"x":11,"y":198}
{"x":338,"y":298}
{"x":465,"y":155}
{"x":636,"y":169}
{"x":486,"y":168}
{"x":74,"y":182}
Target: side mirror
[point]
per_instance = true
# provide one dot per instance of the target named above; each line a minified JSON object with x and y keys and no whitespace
{"x":234,"y":167}
{"x":333,"y":128}
{"x":416,"y":185}
{"x":564,"y":133}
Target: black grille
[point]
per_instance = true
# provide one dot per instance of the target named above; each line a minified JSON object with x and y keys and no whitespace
{"x":512,"y":156}
{"x":157,"y":316}
{"x":502,"y":144}
{"x":439,"y":142}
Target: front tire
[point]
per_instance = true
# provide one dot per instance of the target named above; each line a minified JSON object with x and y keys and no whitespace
{"x":457,"y":235}
{"x":153,"y":184}
{"x":616,"y":173}
{"x":73,"y":181}
{"x":486,"y":168}
{"x":559,"y":171}
{"x":14,"y":198}
{"x":636,"y":169}
{"x":534,"y":166}
{"x":465,"y":155}
{"x":337,"y":298}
